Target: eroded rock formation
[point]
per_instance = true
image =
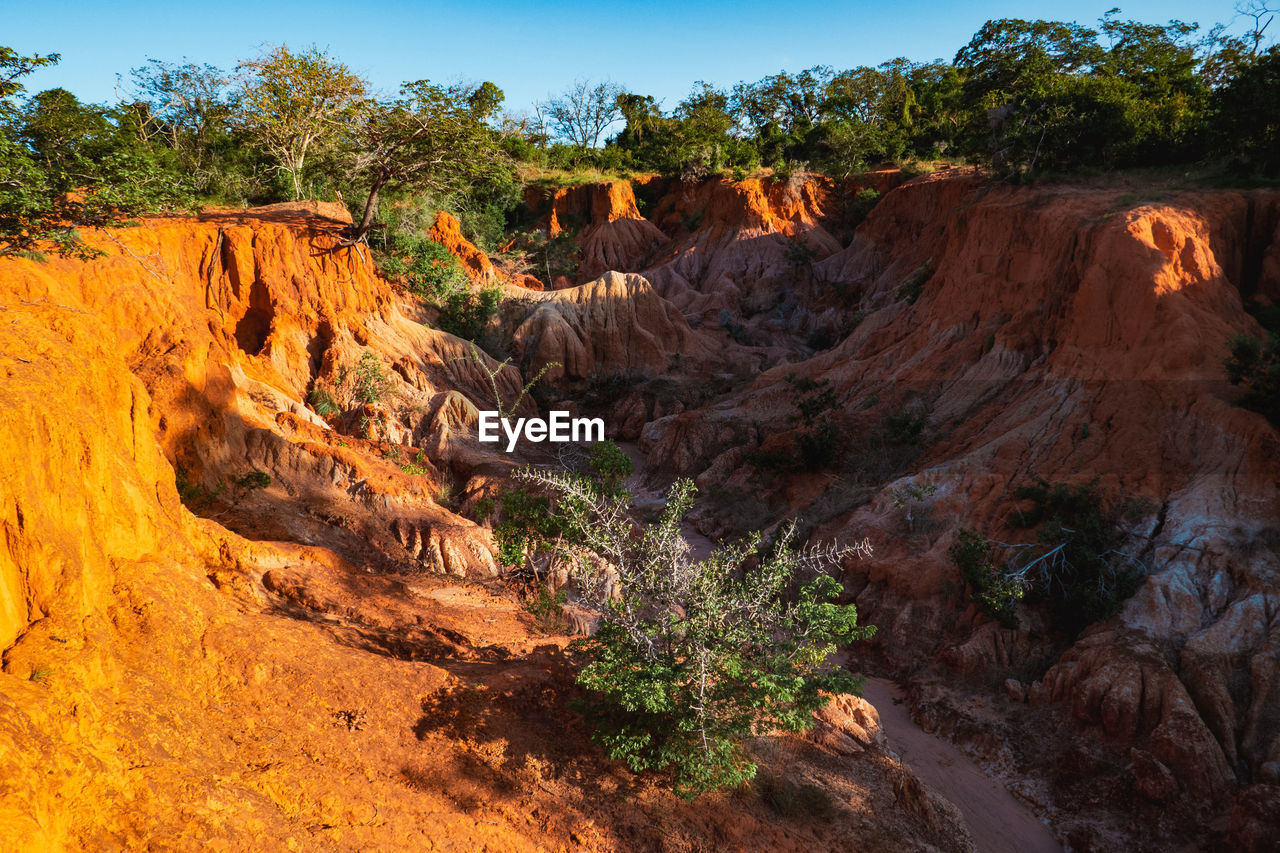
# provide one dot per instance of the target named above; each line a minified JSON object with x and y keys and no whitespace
{"x":302,"y":664}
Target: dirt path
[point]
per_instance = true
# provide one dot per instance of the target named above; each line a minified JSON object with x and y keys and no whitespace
{"x":999,"y":823}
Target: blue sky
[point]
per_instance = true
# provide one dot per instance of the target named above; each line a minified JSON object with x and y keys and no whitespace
{"x":658,"y":47}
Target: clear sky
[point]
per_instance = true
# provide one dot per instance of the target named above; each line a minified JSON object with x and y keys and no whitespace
{"x":529,"y":49}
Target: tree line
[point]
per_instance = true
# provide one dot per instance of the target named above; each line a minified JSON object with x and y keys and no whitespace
{"x":1022,"y":97}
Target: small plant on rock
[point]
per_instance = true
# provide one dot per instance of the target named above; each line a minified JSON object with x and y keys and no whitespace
{"x":1075,"y":567}
{"x":323,"y":403}
{"x":1254,"y":364}
{"x":366,"y":382}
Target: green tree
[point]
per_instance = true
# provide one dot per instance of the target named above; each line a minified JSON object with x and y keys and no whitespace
{"x":1247,"y":116}
{"x":189,"y":106}
{"x":65,"y":165}
{"x":428,"y":138}
{"x":294,"y":104}
{"x":693,"y":657}
{"x":485,"y":100}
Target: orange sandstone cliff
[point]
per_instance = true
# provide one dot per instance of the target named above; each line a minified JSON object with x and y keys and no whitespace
{"x":319,"y":658}
{"x":332,"y":660}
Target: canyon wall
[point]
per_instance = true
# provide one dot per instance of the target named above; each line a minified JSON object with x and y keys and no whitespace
{"x":317,"y":657}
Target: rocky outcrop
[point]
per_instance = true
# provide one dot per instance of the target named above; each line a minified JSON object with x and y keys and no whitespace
{"x":610,"y":232}
{"x":170,"y":684}
{"x":447,"y":231}
{"x":616,"y":323}
{"x":741,"y":254}
{"x":1069,"y":334}
{"x":231,"y":323}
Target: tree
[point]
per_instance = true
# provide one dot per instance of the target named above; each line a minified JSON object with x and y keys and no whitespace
{"x":693,"y":657}
{"x":64,"y":164}
{"x":187,"y":105}
{"x":13,"y":67}
{"x":584,"y":111}
{"x":1247,"y":116}
{"x":427,"y":138}
{"x":293,"y":103}
{"x":24,"y":199}
{"x":485,"y":100}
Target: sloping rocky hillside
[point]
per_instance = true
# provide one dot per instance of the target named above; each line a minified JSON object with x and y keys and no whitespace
{"x":328,"y":657}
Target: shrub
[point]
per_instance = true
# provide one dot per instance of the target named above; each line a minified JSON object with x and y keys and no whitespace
{"x":913,"y":285}
{"x":992,"y":593}
{"x":816,"y":440}
{"x":817,"y":446}
{"x":791,"y":799}
{"x":692,"y":658}
{"x":428,"y":268}
{"x":821,"y":338}
{"x":437,"y":277}
{"x":606,"y":388}
{"x":537,"y":254}
{"x":323,"y":403}
{"x":527,"y":523}
{"x":856,"y":209}
{"x":253,"y":480}
{"x":911,"y":496}
{"x":367,"y":382}
{"x":547,"y":609}
{"x":798,"y":253}
{"x":905,"y":427}
{"x":445,"y":496}
{"x":1255,"y":364}
{"x":466,"y":313}
{"x":611,"y":466}
{"x":418,"y":466}
{"x":1074,"y":567}
{"x":192,"y":493}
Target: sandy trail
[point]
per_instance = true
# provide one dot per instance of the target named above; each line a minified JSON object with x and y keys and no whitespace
{"x":998,"y":821}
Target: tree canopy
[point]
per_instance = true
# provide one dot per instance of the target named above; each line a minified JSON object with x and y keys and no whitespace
{"x":1021,"y":97}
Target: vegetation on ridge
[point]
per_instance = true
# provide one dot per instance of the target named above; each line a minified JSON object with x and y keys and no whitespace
{"x":1022,"y":97}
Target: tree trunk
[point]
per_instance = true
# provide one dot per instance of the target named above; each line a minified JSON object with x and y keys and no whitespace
{"x":370,"y":205}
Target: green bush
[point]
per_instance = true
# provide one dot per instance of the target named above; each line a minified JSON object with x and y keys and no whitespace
{"x":437,"y":277}
{"x":419,"y":466}
{"x":1074,"y":567}
{"x":253,"y":480}
{"x":855,"y":209}
{"x":1255,"y":364}
{"x":466,"y":314}
{"x":547,"y":609}
{"x":192,"y":493}
{"x":367,"y":381}
{"x":527,"y":524}
{"x":992,"y":593}
{"x":610,"y":465}
{"x":1077,"y":568}
{"x":323,"y":403}
{"x":906,"y":427}
{"x":693,"y":658}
